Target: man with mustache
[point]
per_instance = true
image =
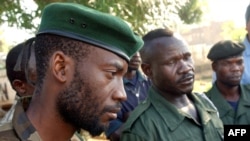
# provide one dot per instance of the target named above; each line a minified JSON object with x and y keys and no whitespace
{"x":229,"y":96}
{"x":172,"y":112}
{"x":81,"y":57}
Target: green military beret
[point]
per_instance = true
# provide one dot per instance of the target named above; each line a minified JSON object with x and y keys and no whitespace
{"x":88,"y":25}
{"x":224,"y":49}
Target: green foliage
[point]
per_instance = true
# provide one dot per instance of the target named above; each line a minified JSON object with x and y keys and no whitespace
{"x":231,"y":32}
{"x":13,"y":13}
{"x":142,"y":15}
{"x":191,"y":12}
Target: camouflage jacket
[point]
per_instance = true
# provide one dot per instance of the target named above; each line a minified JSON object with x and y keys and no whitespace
{"x":21,"y":129}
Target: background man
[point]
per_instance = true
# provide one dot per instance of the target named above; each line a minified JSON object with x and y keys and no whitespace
{"x":17,"y":77}
{"x":231,"y":98}
{"x":245,"y":79}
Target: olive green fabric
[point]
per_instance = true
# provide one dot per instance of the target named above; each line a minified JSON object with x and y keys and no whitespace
{"x":21,"y":129}
{"x":85,"y":24}
{"x":226,"y":112}
{"x":225,"y":49}
{"x":158,"y":120}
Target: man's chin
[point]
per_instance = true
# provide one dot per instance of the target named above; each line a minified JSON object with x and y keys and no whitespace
{"x":98,"y":130}
{"x":94,"y":134}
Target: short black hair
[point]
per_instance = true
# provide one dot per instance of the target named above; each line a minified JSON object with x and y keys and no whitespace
{"x":151,"y":35}
{"x":47,"y":44}
{"x":157,"y":33}
{"x":10,"y":63}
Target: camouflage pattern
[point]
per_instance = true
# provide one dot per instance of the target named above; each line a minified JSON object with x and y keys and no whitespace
{"x":21,"y":129}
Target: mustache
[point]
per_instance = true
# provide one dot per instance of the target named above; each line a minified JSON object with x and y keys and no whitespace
{"x":112,"y":108}
{"x":186,"y":76}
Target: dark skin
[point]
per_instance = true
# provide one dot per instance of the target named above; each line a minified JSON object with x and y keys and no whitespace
{"x":171,"y":70}
{"x":133,"y":66}
{"x":229,"y":72}
{"x":24,"y":88}
{"x":92,"y":94}
{"x":27,"y":88}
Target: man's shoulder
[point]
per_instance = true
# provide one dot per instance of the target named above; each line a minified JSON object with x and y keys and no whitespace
{"x":205,"y":100}
{"x":246,"y":87}
{"x":139,"y":116}
{"x":6,"y":126}
{"x":7,"y":132}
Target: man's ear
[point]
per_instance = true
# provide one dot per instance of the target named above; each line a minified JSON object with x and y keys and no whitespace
{"x":60,"y":65}
{"x":19,"y":86}
{"x":214,"y":66}
{"x":146,"y":69}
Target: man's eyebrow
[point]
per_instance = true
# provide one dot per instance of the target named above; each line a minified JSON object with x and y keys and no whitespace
{"x":118,"y":65}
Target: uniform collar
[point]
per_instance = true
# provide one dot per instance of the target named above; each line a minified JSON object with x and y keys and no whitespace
{"x":174,"y":117}
{"x":244,"y":99}
{"x":223,"y":106}
{"x":23,"y":127}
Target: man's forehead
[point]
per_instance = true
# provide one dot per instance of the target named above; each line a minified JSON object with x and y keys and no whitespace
{"x":172,"y":40}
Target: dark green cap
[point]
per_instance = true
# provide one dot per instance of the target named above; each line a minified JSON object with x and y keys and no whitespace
{"x":91,"y":26}
{"x":225,"y":49}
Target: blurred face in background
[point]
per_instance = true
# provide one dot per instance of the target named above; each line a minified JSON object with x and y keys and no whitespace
{"x":135,"y":62}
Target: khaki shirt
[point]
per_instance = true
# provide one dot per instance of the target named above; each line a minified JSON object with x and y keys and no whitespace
{"x":158,"y":120}
{"x":21,"y":129}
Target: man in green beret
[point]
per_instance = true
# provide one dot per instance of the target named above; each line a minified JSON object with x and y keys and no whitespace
{"x":231,"y":98}
{"x":245,"y":79}
{"x":81,"y":57}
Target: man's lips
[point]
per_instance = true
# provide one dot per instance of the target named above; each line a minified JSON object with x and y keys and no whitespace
{"x":187,"y":79}
{"x":235,"y":77}
{"x":113,"y":113}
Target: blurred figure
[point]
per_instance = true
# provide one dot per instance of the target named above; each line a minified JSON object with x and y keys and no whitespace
{"x":17,"y":77}
{"x":231,"y":98}
{"x":246,"y":54}
{"x":136,"y":86}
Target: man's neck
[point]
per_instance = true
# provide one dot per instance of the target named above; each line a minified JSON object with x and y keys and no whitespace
{"x":228,"y":92}
{"x":47,"y":122}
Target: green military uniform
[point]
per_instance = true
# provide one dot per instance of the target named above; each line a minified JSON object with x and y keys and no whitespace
{"x":21,"y":129}
{"x":227,"y":114}
{"x":158,"y":120}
